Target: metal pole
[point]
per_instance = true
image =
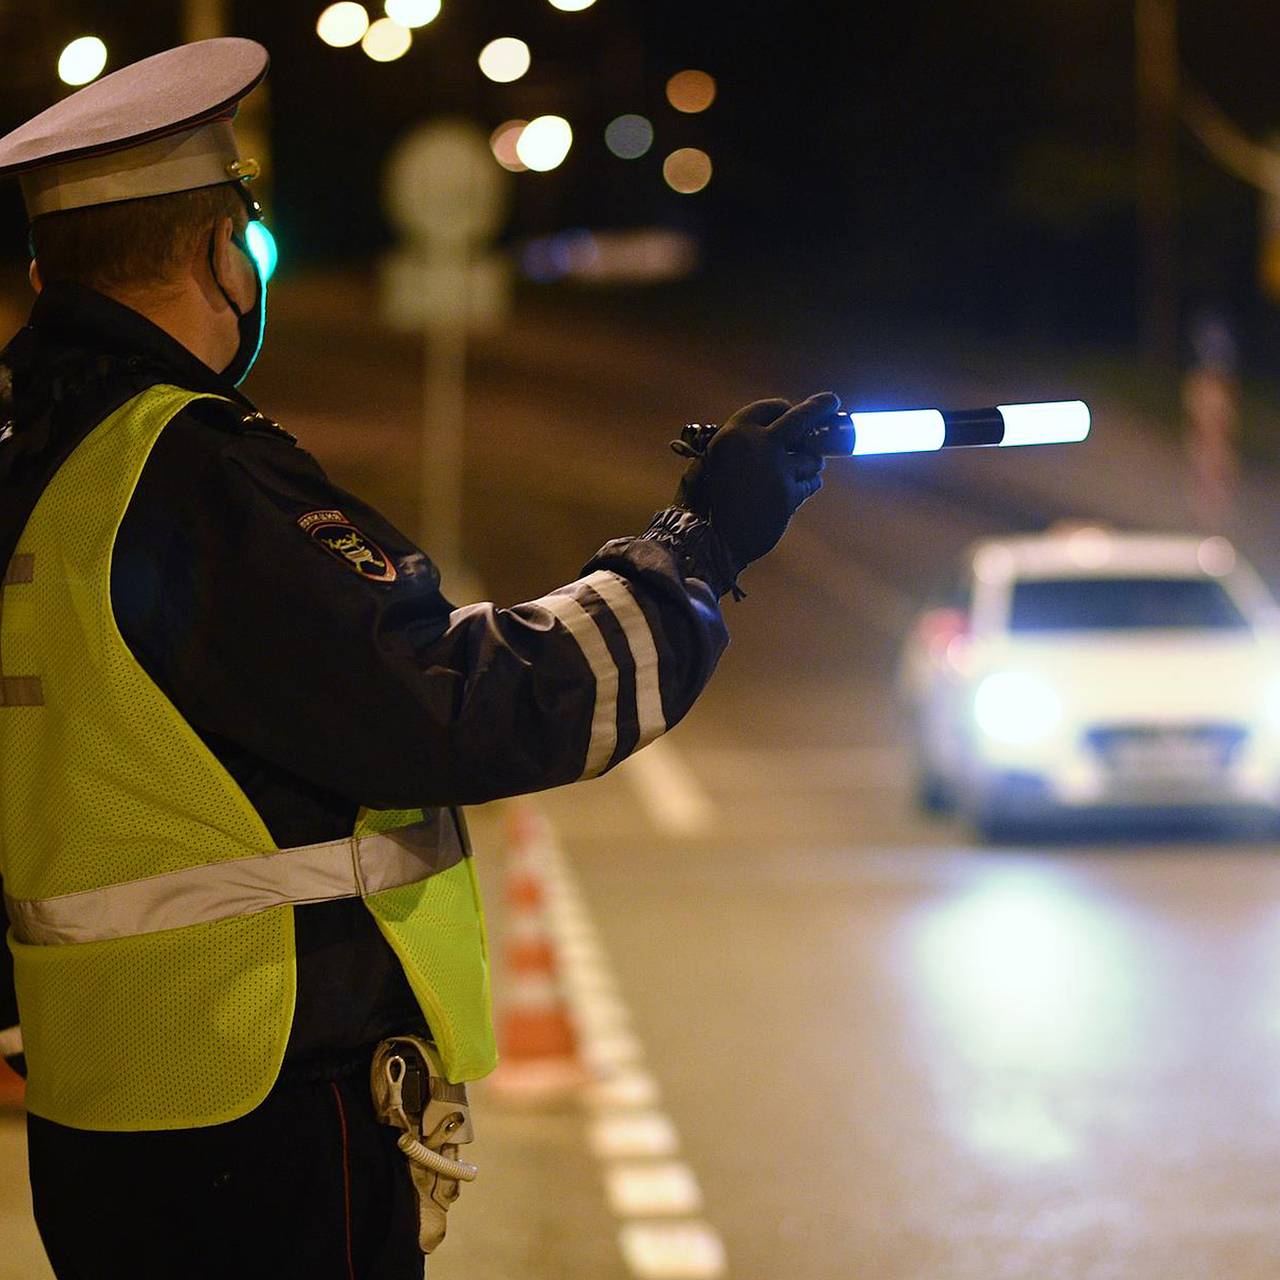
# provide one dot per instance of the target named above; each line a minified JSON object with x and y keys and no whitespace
{"x":1156,"y":66}
{"x":444,"y":414}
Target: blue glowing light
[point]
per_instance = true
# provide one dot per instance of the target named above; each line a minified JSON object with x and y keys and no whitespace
{"x":262,"y":245}
{"x":898,"y":431}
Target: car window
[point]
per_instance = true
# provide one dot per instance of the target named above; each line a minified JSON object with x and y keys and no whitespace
{"x":1116,"y":604}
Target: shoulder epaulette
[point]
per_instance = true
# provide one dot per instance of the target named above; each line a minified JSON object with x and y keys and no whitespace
{"x":227,"y":415}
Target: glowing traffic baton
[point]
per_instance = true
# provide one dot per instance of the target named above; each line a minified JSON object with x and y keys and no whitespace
{"x":927,"y":430}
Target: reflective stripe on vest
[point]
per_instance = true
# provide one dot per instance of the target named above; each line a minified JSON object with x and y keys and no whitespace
{"x":350,"y":868}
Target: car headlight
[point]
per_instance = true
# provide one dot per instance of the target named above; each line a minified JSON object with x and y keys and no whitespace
{"x":1016,"y":708}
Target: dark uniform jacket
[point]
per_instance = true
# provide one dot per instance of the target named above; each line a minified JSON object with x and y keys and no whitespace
{"x":319,"y":684}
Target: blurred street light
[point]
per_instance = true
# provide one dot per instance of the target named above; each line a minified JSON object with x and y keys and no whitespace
{"x":505,"y":59}
{"x":691,"y":91}
{"x":628,"y":137}
{"x":341,"y":25}
{"x":544,"y":142}
{"x":502,"y":142}
{"x":82,"y":60}
{"x":385,"y":41}
{"x":687,"y":170}
{"x":413,"y":13}
{"x":572,"y":6}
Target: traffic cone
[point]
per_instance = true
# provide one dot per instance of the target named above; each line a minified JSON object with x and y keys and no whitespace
{"x":537,"y":1042}
{"x":13,"y":1088}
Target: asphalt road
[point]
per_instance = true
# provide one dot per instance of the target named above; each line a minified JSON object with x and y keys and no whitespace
{"x":881,"y":1051}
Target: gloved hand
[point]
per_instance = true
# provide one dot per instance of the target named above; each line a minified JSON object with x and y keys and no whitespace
{"x":750,"y":480}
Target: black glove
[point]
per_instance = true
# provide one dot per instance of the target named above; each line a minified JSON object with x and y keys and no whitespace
{"x":751,"y":478}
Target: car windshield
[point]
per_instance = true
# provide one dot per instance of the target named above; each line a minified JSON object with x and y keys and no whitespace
{"x":1123,"y":604}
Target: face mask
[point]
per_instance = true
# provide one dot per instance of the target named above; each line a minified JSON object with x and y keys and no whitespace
{"x":252,"y":323}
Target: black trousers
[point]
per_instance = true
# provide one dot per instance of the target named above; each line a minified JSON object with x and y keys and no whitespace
{"x":307,"y":1185}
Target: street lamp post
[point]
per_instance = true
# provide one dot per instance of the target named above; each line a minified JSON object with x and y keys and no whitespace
{"x":1156,"y":66}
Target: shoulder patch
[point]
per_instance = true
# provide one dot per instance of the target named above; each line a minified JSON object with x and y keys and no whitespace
{"x":340,"y":538}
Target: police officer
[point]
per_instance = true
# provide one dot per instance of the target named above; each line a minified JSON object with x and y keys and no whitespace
{"x":237,"y":716}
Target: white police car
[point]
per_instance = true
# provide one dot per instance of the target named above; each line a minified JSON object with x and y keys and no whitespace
{"x":1084,"y":670}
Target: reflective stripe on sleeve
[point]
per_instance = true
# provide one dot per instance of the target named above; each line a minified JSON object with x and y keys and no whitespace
{"x":351,"y":868}
{"x":616,"y":593}
{"x":604,"y":717}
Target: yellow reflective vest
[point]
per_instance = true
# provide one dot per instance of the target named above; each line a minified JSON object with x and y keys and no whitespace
{"x":151,"y":913}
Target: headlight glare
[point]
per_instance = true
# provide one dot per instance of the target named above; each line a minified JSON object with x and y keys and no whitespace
{"x":1016,"y":708}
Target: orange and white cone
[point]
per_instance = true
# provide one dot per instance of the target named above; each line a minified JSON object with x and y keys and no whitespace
{"x":537,"y":1042}
{"x":13,"y":1087}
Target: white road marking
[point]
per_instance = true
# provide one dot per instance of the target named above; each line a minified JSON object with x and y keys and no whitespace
{"x":628,"y":1087}
{"x":585,"y":985}
{"x":628,"y":1133}
{"x":638,"y":1190}
{"x":673,"y":799}
{"x":633,"y":1133}
{"x":672,"y":1250}
{"x":574,"y":931}
{"x":603,"y":1015}
{"x":582,"y":951}
{"x":618,"y":1049}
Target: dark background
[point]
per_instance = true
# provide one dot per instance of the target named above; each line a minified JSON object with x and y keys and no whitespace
{"x":965,"y":165}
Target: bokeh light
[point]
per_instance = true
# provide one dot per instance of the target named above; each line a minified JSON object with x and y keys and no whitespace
{"x":572,"y":6}
{"x":691,"y":91}
{"x":413,"y":13}
{"x":687,"y":170}
{"x":628,"y":137}
{"x":342,"y":25}
{"x":547,"y":258}
{"x":502,"y":142}
{"x":82,"y":60}
{"x":504,"y":59}
{"x":544,"y":142}
{"x":385,"y":41}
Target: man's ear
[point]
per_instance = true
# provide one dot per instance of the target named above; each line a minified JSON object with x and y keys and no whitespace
{"x":33,"y":274}
{"x":232,"y":270}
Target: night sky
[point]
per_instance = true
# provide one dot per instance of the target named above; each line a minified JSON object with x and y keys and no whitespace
{"x":968,"y":162}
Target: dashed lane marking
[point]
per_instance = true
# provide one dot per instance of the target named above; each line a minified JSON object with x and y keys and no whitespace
{"x":630,"y":1087}
{"x":654,"y":1194}
{"x":627,"y":1134}
{"x":664,"y":1187}
{"x":672,"y":1250}
{"x":673,"y":799}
